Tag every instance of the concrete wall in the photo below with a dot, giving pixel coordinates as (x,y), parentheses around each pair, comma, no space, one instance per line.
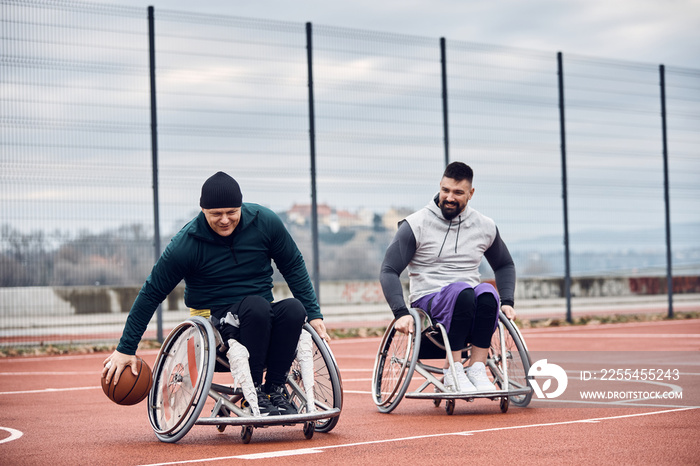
(46,301)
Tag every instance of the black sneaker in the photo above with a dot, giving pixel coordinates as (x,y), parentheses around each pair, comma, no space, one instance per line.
(278,397)
(264,404)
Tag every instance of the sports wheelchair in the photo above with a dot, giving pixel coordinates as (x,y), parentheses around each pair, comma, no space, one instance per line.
(400,355)
(183,383)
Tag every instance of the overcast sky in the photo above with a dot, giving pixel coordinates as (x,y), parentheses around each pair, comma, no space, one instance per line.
(648,31)
(644,31)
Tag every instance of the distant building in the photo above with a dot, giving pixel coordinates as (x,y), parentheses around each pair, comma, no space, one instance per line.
(334,219)
(394,215)
(300,214)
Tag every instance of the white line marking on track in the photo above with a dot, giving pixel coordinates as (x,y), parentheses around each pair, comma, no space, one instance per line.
(51,373)
(14,434)
(598,336)
(355,357)
(596,327)
(617,404)
(49,390)
(278,454)
(304,451)
(353,340)
(22,359)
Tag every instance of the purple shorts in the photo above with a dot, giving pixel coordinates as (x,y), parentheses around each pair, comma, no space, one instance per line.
(440,306)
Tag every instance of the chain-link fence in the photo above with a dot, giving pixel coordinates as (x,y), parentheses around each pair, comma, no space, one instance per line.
(78,161)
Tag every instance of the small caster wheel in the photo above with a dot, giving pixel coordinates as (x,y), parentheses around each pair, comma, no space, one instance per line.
(246,434)
(309,429)
(224,412)
(505,402)
(450,407)
(436,402)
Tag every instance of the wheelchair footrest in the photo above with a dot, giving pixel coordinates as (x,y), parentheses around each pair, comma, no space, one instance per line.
(456,395)
(285,419)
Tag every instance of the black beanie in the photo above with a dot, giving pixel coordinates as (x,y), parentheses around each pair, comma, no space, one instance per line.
(220,191)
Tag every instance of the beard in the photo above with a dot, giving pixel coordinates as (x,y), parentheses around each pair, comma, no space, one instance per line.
(450,210)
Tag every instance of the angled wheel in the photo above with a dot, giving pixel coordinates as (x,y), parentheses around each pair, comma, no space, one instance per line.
(309,430)
(508,357)
(394,365)
(246,434)
(328,387)
(450,407)
(224,412)
(182,376)
(504,403)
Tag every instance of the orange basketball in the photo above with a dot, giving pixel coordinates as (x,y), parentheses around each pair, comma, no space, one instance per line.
(130,389)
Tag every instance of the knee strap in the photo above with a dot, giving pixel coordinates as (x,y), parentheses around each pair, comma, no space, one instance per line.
(238,355)
(305,357)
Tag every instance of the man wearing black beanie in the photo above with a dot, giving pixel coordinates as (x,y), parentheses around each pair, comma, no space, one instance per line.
(225,257)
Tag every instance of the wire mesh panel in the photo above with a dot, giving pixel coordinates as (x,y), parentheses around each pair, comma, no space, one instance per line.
(683,127)
(232,97)
(75,160)
(615,166)
(76,175)
(504,123)
(379,141)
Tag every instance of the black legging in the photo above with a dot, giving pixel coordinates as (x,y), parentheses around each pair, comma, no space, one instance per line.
(473,320)
(269,331)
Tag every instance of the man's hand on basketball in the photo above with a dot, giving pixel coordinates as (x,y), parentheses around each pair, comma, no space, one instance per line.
(508,311)
(320,328)
(115,363)
(404,324)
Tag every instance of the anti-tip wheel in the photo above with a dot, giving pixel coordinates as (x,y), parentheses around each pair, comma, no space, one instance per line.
(504,404)
(224,413)
(246,434)
(309,429)
(450,407)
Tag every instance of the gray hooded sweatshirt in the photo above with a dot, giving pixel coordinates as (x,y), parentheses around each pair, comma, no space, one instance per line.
(438,252)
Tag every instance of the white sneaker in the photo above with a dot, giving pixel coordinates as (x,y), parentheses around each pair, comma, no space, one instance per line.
(476,373)
(465,386)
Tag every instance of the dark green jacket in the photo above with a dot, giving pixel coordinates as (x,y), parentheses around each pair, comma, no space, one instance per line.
(218,275)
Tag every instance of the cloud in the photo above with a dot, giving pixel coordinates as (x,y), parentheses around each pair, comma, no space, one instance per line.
(636,30)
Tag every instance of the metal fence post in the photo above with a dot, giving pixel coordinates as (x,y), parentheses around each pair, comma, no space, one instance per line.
(312,141)
(667,203)
(445,127)
(564,183)
(154,158)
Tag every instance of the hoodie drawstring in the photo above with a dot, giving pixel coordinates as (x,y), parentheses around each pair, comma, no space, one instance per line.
(459,227)
(449,227)
(445,238)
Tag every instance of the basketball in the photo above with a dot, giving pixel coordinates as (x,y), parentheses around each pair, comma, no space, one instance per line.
(130,389)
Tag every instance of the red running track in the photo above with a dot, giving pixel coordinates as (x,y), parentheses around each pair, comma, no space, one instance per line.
(53,411)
